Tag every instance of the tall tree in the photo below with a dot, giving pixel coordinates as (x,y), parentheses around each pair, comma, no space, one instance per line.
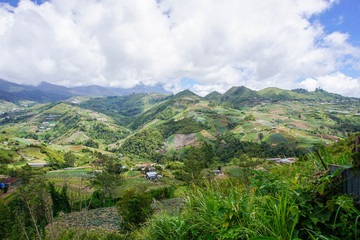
(107,176)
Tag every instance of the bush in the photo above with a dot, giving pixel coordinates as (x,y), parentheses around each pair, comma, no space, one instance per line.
(134,207)
(162,193)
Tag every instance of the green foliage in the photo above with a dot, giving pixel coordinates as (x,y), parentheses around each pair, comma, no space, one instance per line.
(87,234)
(30,135)
(246,164)
(183,126)
(280,215)
(69,159)
(349,125)
(107,177)
(143,143)
(123,108)
(229,146)
(66,122)
(30,207)
(7,221)
(162,193)
(249,118)
(91,143)
(277,138)
(134,207)
(102,131)
(60,200)
(196,160)
(7,156)
(276,208)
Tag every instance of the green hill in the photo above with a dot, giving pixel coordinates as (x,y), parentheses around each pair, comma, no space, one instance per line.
(279,94)
(124,108)
(237,96)
(213,96)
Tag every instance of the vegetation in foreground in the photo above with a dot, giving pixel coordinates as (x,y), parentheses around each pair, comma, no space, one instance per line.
(93,187)
(301,200)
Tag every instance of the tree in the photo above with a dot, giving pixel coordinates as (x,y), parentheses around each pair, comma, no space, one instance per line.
(134,207)
(106,176)
(261,136)
(196,160)
(7,221)
(246,164)
(60,200)
(31,207)
(69,159)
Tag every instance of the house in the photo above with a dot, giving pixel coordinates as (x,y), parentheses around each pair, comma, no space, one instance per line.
(277,160)
(11,182)
(151,175)
(284,160)
(150,169)
(143,165)
(38,164)
(216,172)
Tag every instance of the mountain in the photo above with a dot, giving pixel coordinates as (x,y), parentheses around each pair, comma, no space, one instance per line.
(124,108)
(140,88)
(294,118)
(186,95)
(280,94)
(56,89)
(238,96)
(6,86)
(94,90)
(216,96)
(13,92)
(47,92)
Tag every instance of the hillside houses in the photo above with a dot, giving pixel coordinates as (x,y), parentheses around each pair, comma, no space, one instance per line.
(281,160)
(37,164)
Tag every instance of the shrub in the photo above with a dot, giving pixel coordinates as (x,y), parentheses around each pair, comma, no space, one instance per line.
(162,193)
(134,207)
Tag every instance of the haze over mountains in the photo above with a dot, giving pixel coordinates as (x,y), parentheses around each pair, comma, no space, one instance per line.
(47,92)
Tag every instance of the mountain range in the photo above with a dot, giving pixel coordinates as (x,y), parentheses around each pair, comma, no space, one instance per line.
(47,92)
(235,96)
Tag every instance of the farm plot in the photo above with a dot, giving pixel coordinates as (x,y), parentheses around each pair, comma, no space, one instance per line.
(105,218)
(74,196)
(69,174)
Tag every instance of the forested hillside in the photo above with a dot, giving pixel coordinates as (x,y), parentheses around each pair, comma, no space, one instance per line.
(213,167)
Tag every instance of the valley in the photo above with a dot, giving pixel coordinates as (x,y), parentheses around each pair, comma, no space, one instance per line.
(98,149)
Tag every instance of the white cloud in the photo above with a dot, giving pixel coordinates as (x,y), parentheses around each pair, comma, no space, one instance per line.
(335,82)
(217,43)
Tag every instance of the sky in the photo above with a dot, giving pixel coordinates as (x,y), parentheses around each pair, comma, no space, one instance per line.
(201,45)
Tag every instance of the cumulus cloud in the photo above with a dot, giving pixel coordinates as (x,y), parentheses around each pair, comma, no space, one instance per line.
(336,82)
(219,44)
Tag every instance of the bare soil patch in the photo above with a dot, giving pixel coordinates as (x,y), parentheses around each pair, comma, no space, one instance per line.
(206,134)
(328,137)
(77,148)
(74,136)
(301,125)
(182,140)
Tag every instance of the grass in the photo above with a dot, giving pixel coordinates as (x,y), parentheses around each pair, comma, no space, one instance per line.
(33,153)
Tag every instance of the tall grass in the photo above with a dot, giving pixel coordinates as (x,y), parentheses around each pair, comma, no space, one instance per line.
(224,211)
(279,215)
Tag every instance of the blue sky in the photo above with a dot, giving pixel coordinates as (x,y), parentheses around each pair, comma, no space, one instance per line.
(343,17)
(200,45)
(14,3)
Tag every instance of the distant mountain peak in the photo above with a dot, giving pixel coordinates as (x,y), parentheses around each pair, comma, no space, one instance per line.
(214,95)
(186,93)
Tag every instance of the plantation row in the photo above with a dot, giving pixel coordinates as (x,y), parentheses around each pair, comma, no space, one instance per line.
(73,195)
